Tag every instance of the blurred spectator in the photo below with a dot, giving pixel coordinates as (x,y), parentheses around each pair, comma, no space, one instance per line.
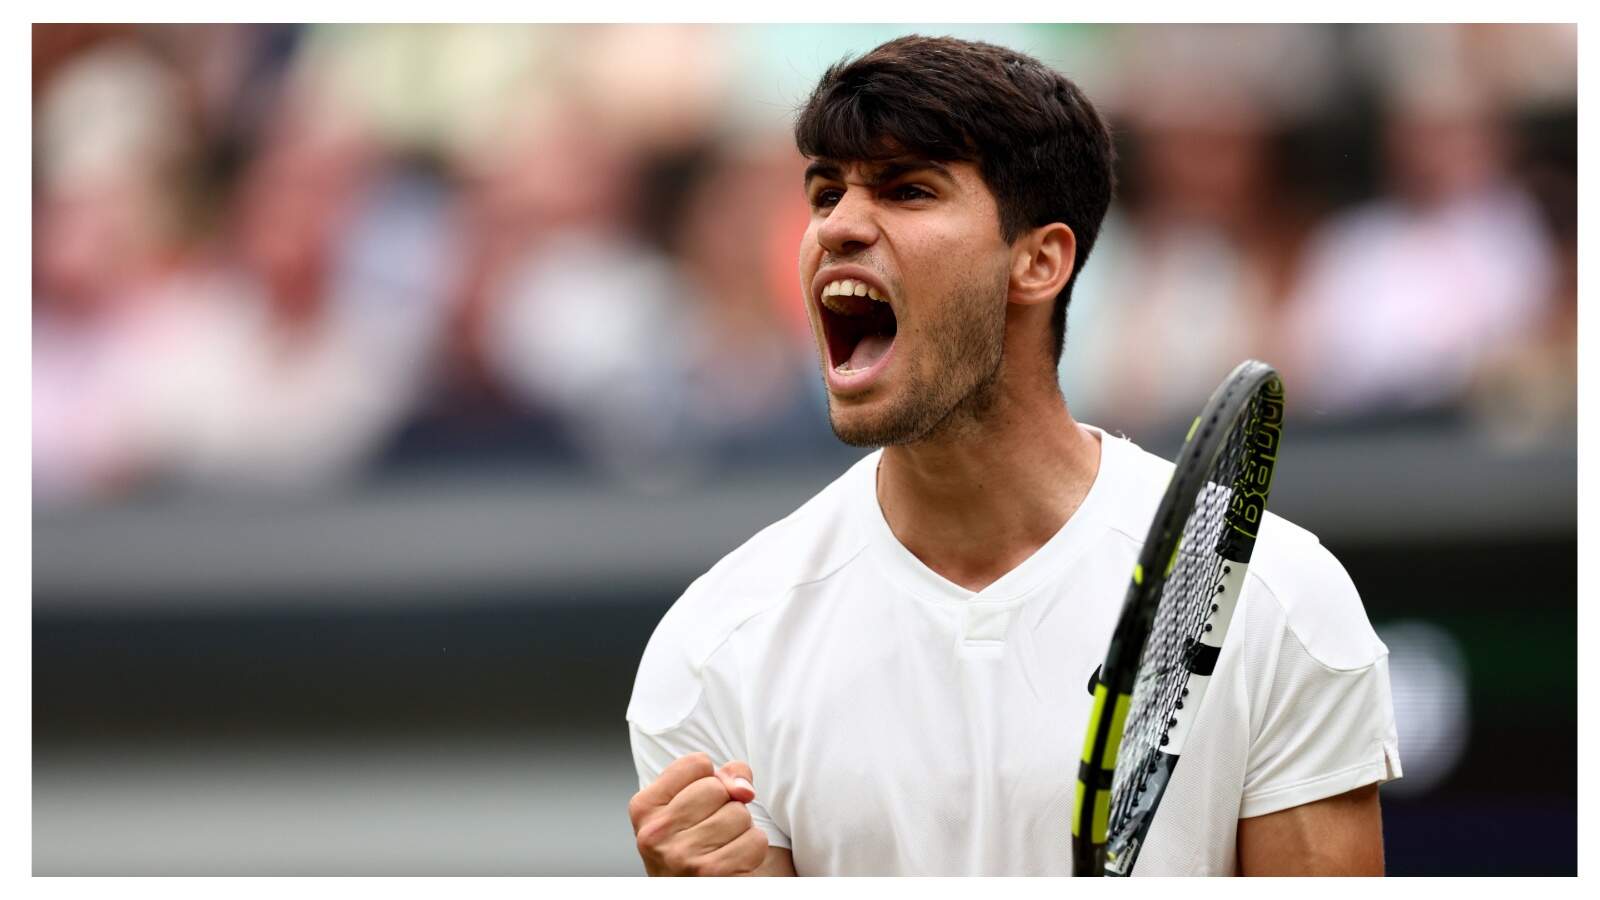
(317,333)
(566,311)
(586,322)
(1526,393)
(1192,262)
(1522,65)
(750,363)
(1405,297)
(279,352)
(282,255)
(656,87)
(112,142)
(658,356)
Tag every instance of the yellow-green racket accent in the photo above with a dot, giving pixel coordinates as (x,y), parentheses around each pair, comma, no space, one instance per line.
(1099,792)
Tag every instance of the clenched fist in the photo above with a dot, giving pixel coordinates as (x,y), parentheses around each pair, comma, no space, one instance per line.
(692,820)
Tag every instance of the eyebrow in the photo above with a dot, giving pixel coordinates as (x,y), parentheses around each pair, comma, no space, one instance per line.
(884,173)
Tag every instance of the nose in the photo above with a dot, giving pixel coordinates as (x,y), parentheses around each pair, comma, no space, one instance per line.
(851,226)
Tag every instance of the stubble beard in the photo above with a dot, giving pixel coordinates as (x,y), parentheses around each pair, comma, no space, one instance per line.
(956,392)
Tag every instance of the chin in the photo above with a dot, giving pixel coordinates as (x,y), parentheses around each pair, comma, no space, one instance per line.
(853,426)
(876,424)
(855,437)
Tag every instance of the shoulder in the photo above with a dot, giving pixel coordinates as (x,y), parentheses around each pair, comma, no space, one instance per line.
(1305,584)
(1136,479)
(1315,596)
(808,545)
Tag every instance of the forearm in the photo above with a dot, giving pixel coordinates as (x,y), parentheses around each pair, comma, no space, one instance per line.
(1341,835)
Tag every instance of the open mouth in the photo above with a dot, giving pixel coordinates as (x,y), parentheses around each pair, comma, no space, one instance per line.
(859,325)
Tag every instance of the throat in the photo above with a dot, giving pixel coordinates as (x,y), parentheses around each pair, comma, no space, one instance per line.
(971,544)
(977,573)
(977,516)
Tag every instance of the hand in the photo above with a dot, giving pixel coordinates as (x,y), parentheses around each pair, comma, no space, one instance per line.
(692,820)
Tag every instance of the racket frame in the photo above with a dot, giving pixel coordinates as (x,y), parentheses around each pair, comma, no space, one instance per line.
(1113,690)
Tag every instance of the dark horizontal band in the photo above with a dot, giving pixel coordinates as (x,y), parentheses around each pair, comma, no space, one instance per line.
(1203,658)
(1095,777)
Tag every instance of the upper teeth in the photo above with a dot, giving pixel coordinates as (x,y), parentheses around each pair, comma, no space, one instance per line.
(849,287)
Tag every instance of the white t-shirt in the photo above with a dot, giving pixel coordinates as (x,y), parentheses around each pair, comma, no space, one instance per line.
(898,723)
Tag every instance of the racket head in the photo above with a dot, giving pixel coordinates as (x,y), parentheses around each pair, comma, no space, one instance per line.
(1153,678)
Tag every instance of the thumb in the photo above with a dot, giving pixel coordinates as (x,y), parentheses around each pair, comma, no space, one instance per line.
(738,779)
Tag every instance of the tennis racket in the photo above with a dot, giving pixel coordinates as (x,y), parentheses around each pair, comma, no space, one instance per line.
(1174,618)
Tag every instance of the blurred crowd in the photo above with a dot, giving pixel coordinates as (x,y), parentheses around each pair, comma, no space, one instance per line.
(280,258)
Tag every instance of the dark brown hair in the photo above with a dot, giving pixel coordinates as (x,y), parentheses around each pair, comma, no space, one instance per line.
(1040,146)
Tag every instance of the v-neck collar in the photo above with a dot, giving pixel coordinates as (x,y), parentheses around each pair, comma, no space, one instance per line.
(1055,555)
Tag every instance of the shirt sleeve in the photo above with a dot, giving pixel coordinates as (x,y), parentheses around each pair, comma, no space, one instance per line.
(686,700)
(652,753)
(1326,722)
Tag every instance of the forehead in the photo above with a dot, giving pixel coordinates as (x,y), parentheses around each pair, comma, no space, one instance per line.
(876,170)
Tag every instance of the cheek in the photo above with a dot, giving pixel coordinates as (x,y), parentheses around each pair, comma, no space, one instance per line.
(809,260)
(943,268)
(948,244)
(810,250)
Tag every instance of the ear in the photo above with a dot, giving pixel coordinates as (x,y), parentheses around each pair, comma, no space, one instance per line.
(1042,261)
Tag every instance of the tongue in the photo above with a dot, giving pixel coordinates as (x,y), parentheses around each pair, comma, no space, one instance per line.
(869,350)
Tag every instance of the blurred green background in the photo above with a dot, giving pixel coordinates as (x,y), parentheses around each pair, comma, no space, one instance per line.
(389,382)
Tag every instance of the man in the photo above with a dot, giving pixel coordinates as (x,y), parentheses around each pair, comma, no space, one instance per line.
(892,679)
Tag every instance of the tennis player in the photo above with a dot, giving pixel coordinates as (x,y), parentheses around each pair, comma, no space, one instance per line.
(895,678)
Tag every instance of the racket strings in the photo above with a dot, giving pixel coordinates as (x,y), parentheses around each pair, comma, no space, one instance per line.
(1188,600)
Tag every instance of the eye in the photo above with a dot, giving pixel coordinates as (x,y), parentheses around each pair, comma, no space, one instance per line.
(824,198)
(910,192)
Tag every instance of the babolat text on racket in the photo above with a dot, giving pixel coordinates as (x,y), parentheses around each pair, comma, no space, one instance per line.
(1174,619)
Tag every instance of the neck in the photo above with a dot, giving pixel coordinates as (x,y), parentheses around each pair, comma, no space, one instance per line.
(977,499)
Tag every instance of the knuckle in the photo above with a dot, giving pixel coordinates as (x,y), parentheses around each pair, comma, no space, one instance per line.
(652,834)
(637,808)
